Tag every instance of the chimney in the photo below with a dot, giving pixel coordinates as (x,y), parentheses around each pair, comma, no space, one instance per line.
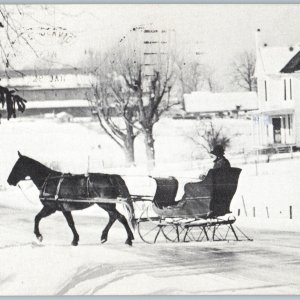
(257,41)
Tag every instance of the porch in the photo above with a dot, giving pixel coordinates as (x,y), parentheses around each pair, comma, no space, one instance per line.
(274,128)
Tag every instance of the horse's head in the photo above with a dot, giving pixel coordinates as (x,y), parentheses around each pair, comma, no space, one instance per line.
(20,170)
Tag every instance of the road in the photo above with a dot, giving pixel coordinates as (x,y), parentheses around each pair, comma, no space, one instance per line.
(268,265)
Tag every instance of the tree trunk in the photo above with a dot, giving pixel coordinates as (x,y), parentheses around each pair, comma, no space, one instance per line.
(149,144)
(129,146)
(182,92)
(182,103)
(129,153)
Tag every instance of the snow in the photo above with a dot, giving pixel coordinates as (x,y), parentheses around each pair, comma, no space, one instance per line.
(272,60)
(57,103)
(56,268)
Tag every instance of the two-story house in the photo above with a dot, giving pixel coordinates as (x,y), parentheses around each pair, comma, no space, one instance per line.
(277,121)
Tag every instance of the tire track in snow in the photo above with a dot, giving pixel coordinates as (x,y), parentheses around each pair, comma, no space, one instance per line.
(89,274)
(20,245)
(159,269)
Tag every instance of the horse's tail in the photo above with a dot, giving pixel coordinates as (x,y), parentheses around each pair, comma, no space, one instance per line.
(130,209)
(123,191)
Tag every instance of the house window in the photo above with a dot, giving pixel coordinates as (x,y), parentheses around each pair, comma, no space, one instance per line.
(266,92)
(291,91)
(284,89)
(289,123)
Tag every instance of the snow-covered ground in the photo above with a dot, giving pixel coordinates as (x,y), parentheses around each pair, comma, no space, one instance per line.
(268,265)
(266,194)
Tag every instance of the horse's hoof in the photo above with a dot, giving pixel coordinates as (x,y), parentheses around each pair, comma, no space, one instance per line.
(39,238)
(128,242)
(103,241)
(75,243)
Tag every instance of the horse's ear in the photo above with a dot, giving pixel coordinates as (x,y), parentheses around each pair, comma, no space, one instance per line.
(20,155)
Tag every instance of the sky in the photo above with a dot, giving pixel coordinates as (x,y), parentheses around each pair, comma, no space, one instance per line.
(221,30)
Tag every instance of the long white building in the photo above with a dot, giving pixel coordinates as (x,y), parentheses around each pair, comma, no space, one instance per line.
(206,102)
(52,90)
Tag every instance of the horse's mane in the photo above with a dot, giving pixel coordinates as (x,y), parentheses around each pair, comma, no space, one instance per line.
(39,165)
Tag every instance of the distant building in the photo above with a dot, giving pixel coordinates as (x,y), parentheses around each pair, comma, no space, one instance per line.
(52,90)
(64,117)
(200,103)
(277,122)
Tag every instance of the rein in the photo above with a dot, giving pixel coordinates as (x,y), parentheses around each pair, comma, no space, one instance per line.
(24,194)
(27,198)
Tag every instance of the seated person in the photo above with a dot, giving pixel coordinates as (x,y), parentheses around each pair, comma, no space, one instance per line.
(221,161)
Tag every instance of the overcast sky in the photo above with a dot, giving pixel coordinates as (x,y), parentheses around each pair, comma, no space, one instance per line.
(223,29)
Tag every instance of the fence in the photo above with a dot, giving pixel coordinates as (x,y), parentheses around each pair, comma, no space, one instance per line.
(267,212)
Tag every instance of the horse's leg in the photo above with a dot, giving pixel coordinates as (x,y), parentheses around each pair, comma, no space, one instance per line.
(111,221)
(113,216)
(124,222)
(45,212)
(71,224)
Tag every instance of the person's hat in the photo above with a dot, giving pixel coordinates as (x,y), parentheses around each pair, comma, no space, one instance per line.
(218,150)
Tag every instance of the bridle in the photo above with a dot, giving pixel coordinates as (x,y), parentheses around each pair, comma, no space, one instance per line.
(27,198)
(24,194)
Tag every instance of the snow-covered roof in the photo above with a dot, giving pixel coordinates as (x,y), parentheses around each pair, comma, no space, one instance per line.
(218,102)
(271,60)
(48,79)
(40,72)
(57,104)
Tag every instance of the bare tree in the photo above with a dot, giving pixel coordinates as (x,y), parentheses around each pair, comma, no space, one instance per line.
(9,34)
(137,88)
(189,76)
(146,80)
(209,79)
(149,113)
(151,96)
(113,103)
(13,42)
(243,71)
(194,76)
(208,135)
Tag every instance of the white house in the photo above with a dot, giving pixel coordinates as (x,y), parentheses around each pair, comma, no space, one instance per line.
(277,122)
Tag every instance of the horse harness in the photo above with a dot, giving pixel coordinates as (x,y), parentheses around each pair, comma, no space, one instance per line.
(78,188)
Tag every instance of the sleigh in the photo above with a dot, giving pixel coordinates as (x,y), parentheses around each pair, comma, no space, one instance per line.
(203,213)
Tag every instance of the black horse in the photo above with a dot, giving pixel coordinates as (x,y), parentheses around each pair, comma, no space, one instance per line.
(96,185)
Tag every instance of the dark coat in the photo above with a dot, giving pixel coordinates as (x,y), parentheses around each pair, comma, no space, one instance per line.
(221,162)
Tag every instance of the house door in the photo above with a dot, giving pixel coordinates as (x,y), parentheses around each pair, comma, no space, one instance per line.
(276,130)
